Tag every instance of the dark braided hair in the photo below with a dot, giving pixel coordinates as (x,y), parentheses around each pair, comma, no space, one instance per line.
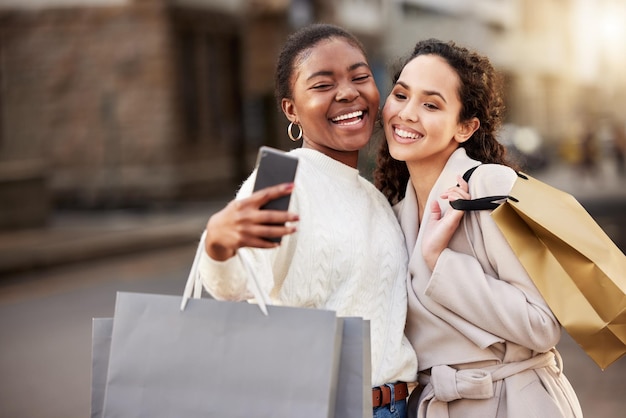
(480,93)
(295,48)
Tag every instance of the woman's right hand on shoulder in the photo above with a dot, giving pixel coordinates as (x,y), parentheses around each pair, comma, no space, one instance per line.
(441,226)
(242,223)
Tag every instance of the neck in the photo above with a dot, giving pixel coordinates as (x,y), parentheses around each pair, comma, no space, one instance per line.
(425,172)
(349,158)
(422,183)
(423,178)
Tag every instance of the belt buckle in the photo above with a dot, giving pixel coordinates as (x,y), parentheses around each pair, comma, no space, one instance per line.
(377,396)
(381,396)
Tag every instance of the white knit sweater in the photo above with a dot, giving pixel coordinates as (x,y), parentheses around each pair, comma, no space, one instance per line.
(348,255)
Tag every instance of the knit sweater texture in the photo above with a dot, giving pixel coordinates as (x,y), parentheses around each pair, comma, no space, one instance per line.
(348,255)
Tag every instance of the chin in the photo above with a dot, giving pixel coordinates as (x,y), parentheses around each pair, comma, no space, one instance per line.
(358,146)
(398,154)
(357,143)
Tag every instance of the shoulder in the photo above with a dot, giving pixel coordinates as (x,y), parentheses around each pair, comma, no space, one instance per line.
(492,179)
(375,195)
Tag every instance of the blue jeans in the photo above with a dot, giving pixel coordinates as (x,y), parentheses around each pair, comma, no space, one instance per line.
(396,409)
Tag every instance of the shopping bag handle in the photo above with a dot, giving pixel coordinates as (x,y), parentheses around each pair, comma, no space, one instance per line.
(193,287)
(482,203)
(261,297)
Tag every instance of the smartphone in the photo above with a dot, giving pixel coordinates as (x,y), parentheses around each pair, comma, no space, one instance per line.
(275,167)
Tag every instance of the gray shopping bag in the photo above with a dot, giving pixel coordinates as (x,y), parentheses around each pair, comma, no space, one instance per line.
(354,387)
(220,359)
(354,393)
(100,348)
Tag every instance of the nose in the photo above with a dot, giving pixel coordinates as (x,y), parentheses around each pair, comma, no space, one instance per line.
(346,92)
(408,113)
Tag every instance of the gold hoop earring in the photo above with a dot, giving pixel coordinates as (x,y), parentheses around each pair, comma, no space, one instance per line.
(291,133)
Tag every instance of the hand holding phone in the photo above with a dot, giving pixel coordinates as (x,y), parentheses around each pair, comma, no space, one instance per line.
(275,167)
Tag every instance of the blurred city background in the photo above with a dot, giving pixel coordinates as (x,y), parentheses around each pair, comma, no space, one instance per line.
(125,123)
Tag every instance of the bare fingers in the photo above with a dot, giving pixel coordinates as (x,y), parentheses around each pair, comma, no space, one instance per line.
(460,191)
(242,223)
(263,196)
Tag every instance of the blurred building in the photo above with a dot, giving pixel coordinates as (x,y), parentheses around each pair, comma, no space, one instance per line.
(108,103)
(561,58)
(122,102)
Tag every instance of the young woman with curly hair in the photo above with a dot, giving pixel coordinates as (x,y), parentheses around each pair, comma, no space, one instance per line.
(484,336)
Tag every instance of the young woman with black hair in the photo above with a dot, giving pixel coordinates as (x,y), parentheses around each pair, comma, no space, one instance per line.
(342,248)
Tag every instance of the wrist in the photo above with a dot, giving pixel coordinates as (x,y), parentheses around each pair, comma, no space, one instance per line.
(218,252)
(430,259)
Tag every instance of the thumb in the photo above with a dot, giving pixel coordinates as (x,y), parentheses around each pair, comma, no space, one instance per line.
(435,210)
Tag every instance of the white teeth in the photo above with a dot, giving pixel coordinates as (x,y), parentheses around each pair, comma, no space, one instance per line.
(356,114)
(404,134)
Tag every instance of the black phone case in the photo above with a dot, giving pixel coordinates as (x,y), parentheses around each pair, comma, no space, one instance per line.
(275,167)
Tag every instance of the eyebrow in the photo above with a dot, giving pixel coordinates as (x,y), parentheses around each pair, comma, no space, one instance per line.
(425,92)
(328,73)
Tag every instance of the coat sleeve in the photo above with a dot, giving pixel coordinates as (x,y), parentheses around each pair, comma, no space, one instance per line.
(490,288)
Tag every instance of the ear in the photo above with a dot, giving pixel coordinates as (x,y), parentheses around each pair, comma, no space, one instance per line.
(289,109)
(466,130)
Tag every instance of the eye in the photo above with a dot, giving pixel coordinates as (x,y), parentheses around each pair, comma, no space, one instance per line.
(399,96)
(431,106)
(362,78)
(321,86)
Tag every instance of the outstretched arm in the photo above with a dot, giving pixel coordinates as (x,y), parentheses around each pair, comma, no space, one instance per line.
(242,223)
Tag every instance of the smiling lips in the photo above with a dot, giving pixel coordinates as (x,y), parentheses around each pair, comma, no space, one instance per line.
(351,118)
(406,136)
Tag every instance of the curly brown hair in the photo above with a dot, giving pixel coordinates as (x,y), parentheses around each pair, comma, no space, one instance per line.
(480,93)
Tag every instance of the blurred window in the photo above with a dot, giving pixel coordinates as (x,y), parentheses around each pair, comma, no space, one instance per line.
(208,70)
(1,91)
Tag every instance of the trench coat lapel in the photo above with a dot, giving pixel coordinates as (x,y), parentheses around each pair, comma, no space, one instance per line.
(406,211)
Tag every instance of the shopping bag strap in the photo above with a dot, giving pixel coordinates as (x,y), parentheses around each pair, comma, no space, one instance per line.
(193,287)
(482,203)
(261,297)
(468,173)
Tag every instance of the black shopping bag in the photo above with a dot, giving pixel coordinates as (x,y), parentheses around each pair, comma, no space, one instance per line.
(221,359)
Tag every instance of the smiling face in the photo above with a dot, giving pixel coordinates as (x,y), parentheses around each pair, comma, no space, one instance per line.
(335,99)
(421,114)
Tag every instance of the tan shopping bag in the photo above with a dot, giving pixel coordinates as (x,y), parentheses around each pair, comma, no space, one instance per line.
(578,269)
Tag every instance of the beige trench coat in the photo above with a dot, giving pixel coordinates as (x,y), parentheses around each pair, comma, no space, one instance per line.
(485,338)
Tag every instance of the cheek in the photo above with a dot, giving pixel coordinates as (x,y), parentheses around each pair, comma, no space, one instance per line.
(375,96)
(312,108)
(388,112)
